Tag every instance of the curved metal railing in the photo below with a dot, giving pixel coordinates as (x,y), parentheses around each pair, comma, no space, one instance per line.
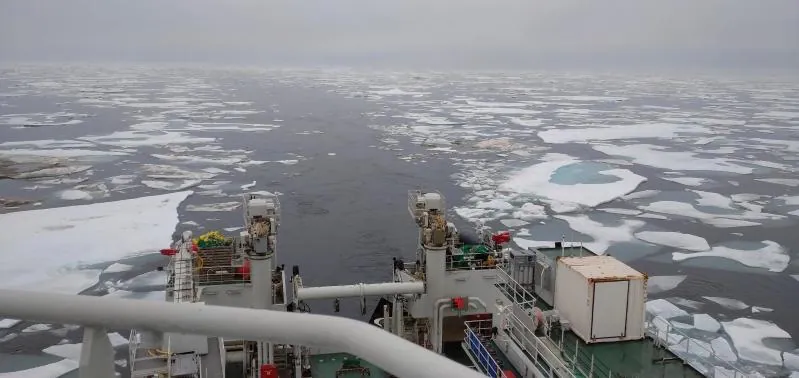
(389,352)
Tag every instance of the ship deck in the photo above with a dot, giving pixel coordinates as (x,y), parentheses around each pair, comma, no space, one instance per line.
(330,365)
(642,358)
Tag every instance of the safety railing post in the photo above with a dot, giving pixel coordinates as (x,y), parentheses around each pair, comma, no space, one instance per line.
(96,354)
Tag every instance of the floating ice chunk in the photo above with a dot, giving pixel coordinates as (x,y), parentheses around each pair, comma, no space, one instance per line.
(141,139)
(513,223)
(199,159)
(225,206)
(687,181)
(288,162)
(772,257)
(713,199)
(786,182)
(659,284)
(471,214)
(170,185)
(674,239)
(331,154)
(603,235)
(122,179)
(526,122)
(728,303)
(83,234)
(654,156)
(214,170)
(398,92)
(585,135)
(686,303)
(72,195)
(664,309)
(719,220)
(37,328)
(52,172)
(495,104)
(8,323)
(537,180)
(530,211)
(498,111)
(588,98)
(614,210)
(528,243)
(722,349)
(756,309)
(54,370)
(117,267)
(641,194)
(173,173)
(653,216)
(146,280)
(149,126)
(779,114)
(706,322)
(495,204)
(747,336)
(498,143)
(248,186)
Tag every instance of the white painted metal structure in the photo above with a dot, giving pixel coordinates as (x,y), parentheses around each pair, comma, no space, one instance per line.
(384,288)
(98,314)
(603,298)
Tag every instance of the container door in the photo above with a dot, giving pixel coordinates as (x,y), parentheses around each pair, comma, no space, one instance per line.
(609,317)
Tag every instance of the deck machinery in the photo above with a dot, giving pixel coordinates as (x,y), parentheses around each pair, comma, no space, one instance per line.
(547,312)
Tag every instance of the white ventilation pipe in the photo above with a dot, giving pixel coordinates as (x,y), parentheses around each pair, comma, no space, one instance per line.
(358,290)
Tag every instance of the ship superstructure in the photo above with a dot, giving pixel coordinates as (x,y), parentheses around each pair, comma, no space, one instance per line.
(499,312)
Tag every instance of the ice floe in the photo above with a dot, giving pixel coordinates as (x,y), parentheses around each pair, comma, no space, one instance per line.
(772,256)
(659,284)
(655,156)
(687,181)
(747,336)
(37,328)
(225,206)
(538,180)
(664,309)
(728,303)
(723,350)
(81,235)
(72,351)
(117,268)
(170,185)
(706,323)
(674,239)
(53,370)
(8,323)
(638,131)
(604,235)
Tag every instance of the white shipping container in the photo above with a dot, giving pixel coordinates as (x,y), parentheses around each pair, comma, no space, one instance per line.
(603,298)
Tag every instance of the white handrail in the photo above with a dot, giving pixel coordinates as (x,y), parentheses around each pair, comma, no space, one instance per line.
(389,352)
(384,288)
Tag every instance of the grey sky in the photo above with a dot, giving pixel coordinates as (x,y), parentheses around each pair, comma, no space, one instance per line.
(501,33)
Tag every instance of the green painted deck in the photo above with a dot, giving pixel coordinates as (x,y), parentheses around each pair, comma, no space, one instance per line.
(327,365)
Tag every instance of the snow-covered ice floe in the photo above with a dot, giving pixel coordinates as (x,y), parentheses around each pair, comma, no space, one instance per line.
(541,180)
(45,249)
(772,256)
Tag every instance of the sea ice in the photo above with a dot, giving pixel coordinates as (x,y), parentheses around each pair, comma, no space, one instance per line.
(603,235)
(786,182)
(772,257)
(727,220)
(37,328)
(225,206)
(747,336)
(513,223)
(664,309)
(728,303)
(171,185)
(659,284)
(54,370)
(687,181)
(537,180)
(117,267)
(706,323)
(530,211)
(655,156)
(585,135)
(614,210)
(693,347)
(42,247)
(674,239)
(8,323)
(723,350)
